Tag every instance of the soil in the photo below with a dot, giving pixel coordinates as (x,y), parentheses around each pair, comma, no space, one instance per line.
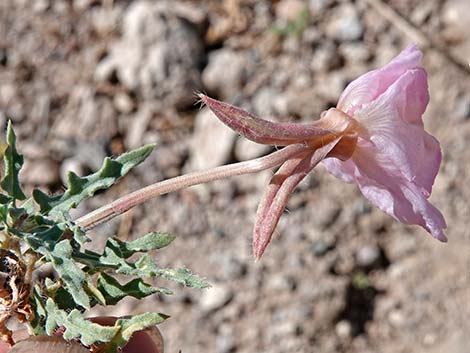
(86,78)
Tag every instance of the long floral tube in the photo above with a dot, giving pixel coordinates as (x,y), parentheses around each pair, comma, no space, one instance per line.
(140,196)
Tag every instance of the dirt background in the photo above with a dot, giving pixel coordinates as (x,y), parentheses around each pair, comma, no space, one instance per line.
(83,79)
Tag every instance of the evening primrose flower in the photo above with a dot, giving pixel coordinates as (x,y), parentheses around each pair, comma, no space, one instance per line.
(374,137)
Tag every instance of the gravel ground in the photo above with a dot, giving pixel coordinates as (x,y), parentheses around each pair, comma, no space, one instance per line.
(86,78)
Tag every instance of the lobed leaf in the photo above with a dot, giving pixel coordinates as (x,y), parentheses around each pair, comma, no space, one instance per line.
(50,318)
(76,326)
(78,188)
(145,266)
(59,253)
(67,269)
(127,327)
(13,162)
(113,291)
(150,241)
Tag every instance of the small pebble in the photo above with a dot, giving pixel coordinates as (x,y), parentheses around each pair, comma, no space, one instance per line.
(215,297)
(346,24)
(343,329)
(367,255)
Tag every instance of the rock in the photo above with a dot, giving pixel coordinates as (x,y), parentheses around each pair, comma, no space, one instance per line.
(226,344)
(40,172)
(123,103)
(279,282)
(226,72)
(421,13)
(321,246)
(225,341)
(82,5)
(462,108)
(331,86)
(289,10)
(231,267)
(396,318)
(368,255)
(268,102)
(139,125)
(86,117)
(159,54)
(454,14)
(429,339)
(71,165)
(343,329)
(354,53)
(291,45)
(311,35)
(346,24)
(246,149)
(318,5)
(215,297)
(104,19)
(212,141)
(285,328)
(325,57)
(400,247)
(304,103)
(33,150)
(40,6)
(327,213)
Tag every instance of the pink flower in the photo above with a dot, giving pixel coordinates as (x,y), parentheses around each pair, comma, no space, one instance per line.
(395,161)
(375,138)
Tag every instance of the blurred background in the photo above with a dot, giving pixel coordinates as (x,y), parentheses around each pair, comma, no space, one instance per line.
(84,79)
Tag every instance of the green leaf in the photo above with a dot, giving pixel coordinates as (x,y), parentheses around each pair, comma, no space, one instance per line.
(42,239)
(150,241)
(45,201)
(4,199)
(114,259)
(113,291)
(76,326)
(129,326)
(146,267)
(67,269)
(4,213)
(78,189)
(95,293)
(13,163)
(59,253)
(39,310)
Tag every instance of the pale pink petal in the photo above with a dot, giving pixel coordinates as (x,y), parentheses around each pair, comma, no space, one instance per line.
(393,123)
(369,86)
(385,187)
(341,170)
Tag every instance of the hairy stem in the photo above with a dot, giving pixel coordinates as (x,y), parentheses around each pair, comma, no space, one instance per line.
(140,196)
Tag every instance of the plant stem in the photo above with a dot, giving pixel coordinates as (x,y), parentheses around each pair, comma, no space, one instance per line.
(140,196)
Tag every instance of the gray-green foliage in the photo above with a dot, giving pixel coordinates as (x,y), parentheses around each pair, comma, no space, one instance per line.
(40,231)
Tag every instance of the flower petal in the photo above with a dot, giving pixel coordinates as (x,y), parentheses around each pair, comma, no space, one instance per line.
(342,170)
(369,86)
(385,186)
(277,193)
(393,123)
